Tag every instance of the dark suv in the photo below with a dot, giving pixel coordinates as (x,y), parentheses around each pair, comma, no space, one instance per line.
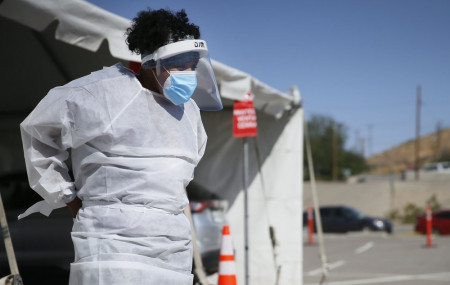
(342,219)
(43,246)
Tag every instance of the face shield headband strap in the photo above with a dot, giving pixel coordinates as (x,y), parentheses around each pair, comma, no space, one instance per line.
(149,60)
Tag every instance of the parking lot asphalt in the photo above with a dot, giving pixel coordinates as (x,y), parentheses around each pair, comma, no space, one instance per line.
(378,258)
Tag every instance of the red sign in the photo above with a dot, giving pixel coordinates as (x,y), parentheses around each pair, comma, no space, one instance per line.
(244,119)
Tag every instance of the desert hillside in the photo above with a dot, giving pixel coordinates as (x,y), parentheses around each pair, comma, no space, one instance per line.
(401,158)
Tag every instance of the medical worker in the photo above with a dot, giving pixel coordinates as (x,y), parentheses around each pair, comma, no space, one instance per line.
(134,141)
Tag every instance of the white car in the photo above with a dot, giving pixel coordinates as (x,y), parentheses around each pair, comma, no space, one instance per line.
(440,167)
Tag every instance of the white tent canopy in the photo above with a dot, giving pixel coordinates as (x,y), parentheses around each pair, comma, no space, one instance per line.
(48,43)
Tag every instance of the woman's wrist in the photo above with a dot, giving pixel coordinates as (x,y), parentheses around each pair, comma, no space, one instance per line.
(75,205)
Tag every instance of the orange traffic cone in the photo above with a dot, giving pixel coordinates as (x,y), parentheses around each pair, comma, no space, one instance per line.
(227,267)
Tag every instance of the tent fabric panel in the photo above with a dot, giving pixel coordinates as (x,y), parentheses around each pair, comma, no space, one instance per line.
(261,259)
(80,23)
(275,193)
(235,84)
(220,170)
(283,176)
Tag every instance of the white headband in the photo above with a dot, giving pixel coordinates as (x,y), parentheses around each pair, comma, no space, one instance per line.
(176,48)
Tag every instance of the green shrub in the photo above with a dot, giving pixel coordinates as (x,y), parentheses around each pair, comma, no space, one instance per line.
(394,215)
(434,203)
(410,212)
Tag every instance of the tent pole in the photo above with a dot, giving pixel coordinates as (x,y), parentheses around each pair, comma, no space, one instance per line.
(318,221)
(246,166)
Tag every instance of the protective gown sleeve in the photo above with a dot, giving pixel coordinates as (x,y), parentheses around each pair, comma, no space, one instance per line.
(46,136)
(201,138)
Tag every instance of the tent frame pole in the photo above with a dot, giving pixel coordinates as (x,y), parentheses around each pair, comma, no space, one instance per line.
(318,220)
(246,178)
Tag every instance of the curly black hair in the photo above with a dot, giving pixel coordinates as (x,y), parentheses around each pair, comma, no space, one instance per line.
(152,29)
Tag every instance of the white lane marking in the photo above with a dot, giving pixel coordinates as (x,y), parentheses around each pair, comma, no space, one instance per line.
(364,248)
(329,266)
(442,276)
(336,264)
(314,272)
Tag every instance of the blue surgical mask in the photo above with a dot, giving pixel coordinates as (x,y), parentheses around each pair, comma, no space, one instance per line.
(180,86)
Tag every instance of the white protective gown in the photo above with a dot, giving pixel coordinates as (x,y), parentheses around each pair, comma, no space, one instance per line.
(133,153)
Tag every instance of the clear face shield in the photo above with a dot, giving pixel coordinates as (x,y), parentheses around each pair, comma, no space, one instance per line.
(188,70)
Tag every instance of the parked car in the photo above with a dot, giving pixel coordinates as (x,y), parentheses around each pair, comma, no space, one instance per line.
(208,215)
(209,219)
(440,223)
(43,246)
(342,219)
(437,167)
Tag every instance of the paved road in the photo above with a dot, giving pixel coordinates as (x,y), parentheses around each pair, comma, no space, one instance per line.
(376,258)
